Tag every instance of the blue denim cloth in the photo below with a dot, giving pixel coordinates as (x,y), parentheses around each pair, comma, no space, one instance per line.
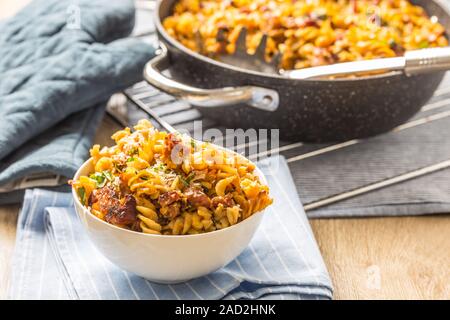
(59,63)
(54,259)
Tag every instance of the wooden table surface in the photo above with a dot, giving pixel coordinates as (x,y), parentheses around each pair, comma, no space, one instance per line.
(368,258)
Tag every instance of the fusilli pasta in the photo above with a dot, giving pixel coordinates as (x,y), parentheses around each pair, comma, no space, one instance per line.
(306,33)
(164,183)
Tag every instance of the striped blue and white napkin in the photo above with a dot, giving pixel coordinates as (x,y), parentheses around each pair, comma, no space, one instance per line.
(54,259)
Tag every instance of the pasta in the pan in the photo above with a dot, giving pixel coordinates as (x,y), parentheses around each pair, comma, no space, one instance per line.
(306,33)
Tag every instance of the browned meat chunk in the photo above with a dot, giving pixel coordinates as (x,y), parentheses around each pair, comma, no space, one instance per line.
(173,210)
(170,207)
(120,212)
(226,201)
(124,214)
(106,198)
(171,140)
(92,198)
(168,198)
(136,226)
(197,198)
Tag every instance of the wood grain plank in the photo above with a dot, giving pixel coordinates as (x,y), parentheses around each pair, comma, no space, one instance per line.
(387,258)
(8,222)
(381,258)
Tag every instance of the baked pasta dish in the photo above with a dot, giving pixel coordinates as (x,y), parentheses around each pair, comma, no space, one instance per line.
(306,33)
(165,183)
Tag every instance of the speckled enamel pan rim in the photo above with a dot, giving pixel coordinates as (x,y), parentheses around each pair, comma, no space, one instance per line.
(179,46)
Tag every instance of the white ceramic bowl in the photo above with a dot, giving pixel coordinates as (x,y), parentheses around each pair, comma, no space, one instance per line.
(166,258)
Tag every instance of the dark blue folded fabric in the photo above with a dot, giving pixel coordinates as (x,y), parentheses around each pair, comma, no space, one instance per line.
(59,62)
(57,152)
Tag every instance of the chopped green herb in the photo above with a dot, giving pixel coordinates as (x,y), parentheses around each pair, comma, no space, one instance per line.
(144,178)
(193,143)
(184,182)
(131,159)
(94,175)
(99,179)
(160,167)
(392,43)
(190,177)
(424,44)
(82,194)
(108,175)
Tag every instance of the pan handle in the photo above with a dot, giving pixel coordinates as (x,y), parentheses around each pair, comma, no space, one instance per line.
(427,60)
(257,97)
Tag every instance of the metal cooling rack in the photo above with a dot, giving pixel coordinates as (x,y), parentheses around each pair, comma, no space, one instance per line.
(168,113)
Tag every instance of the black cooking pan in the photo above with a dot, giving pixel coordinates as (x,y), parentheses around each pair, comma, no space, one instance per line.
(305,110)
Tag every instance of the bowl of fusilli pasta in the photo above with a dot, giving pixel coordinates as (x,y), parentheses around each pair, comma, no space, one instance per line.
(167,207)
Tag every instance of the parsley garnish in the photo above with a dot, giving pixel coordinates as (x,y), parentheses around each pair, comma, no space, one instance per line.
(82,194)
(101,178)
(160,167)
(424,44)
(108,175)
(188,179)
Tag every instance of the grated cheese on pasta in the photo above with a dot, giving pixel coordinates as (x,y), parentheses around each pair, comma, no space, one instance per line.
(306,33)
(164,183)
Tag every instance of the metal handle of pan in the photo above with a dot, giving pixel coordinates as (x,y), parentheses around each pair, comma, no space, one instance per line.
(413,62)
(427,60)
(257,97)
